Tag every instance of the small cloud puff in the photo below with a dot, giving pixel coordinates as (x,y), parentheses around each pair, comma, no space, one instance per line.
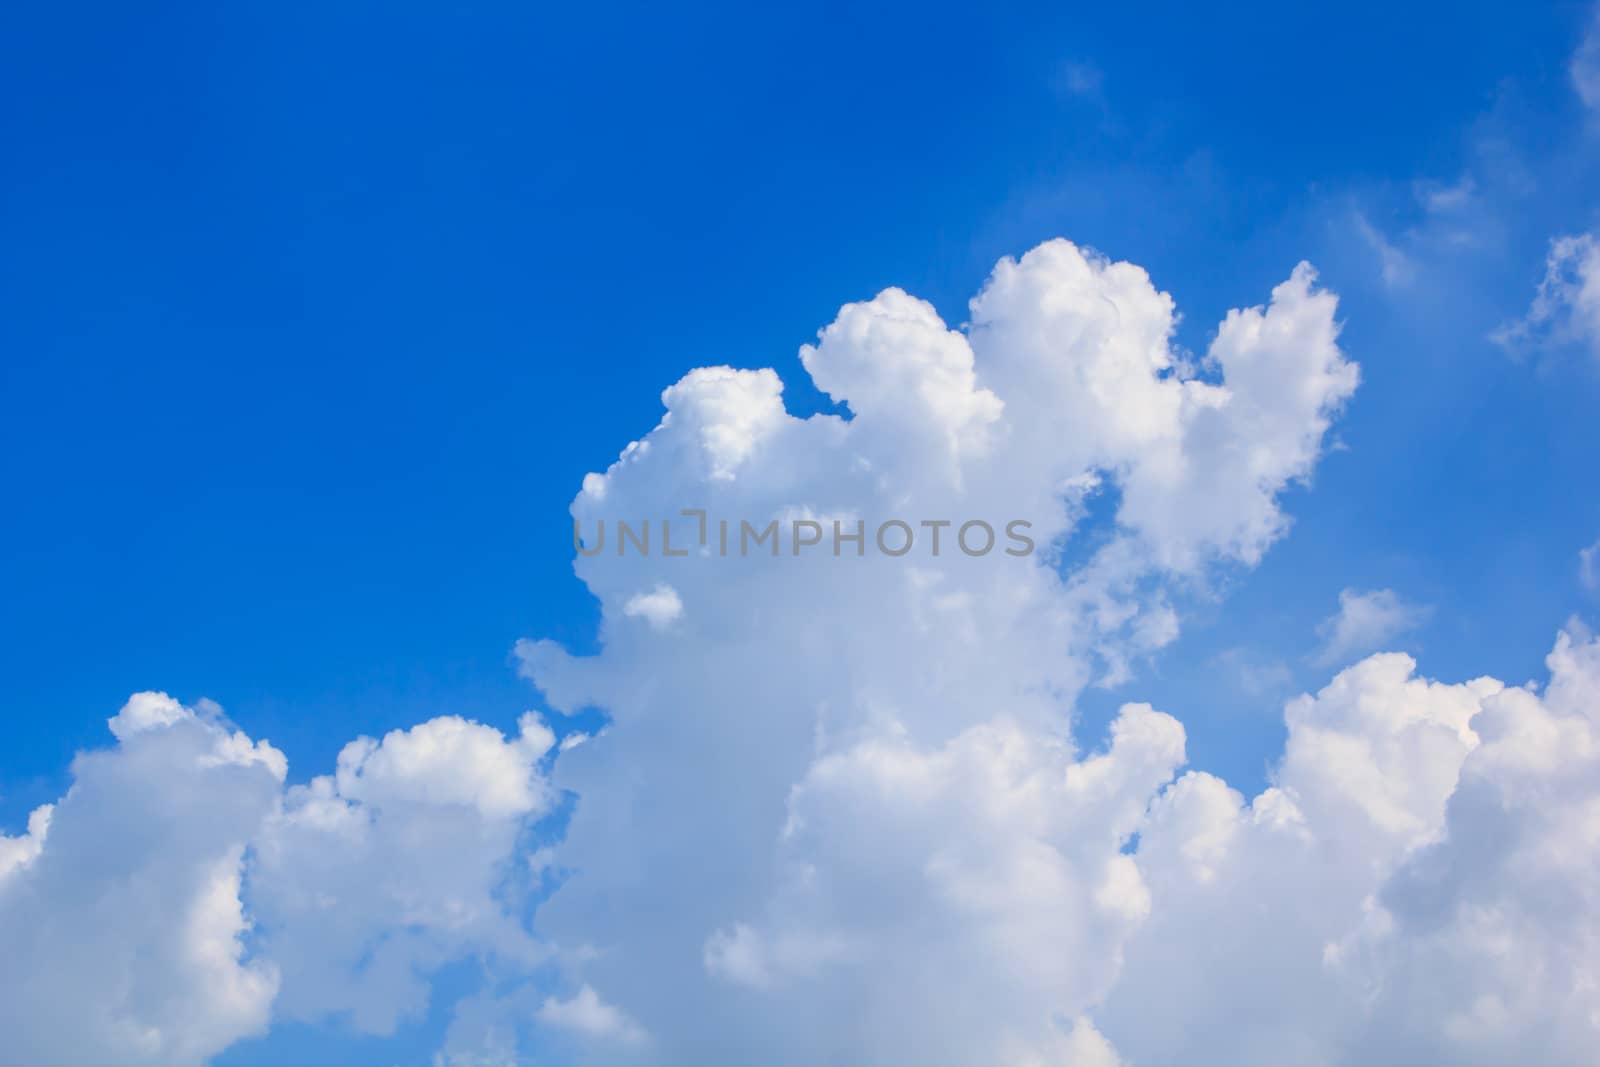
(1364,621)
(585,1013)
(660,607)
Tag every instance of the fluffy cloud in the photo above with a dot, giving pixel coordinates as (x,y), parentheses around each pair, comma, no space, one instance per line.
(852,827)
(659,607)
(1366,621)
(585,1013)
(1416,886)
(1316,924)
(1413,830)
(367,880)
(958,899)
(836,814)
(18,852)
(909,380)
(127,908)
(123,923)
(1485,943)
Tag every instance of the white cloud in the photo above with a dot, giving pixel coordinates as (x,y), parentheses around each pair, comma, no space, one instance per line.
(1244,441)
(660,607)
(122,926)
(1407,891)
(840,817)
(585,1013)
(1589,566)
(848,793)
(959,898)
(1364,622)
(727,412)
(1566,306)
(17,852)
(146,711)
(177,899)
(367,880)
(449,761)
(1485,938)
(1585,66)
(893,361)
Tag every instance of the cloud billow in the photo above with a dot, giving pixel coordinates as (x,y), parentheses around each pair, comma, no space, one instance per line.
(836,814)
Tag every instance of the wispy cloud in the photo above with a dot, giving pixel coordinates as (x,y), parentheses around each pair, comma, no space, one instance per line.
(1566,304)
(1398,269)
(1585,65)
(1255,675)
(1364,622)
(1080,78)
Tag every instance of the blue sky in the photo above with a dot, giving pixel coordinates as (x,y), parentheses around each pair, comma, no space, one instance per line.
(314,319)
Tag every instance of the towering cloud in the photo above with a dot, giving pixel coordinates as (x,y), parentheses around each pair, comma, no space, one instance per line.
(837,816)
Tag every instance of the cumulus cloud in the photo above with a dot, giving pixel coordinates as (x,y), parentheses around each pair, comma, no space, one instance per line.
(846,790)
(985,876)
(1364,622)
(178,898)
(122,923)
(18,852)
(1566,305)
(367,880)
(1247,895)
(837,814)
(1485,939)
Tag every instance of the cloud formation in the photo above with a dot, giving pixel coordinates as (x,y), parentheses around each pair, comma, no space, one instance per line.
(1364,622)
(836,812)
(122,922)
(178,898)
(1566,305)
(838,816)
